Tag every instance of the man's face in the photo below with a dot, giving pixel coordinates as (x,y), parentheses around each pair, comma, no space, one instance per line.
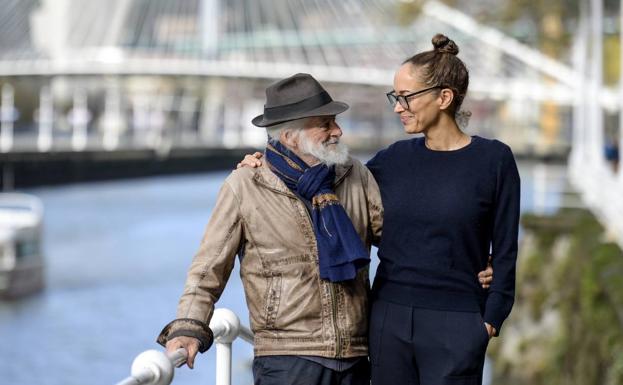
(323,130)
(321,139)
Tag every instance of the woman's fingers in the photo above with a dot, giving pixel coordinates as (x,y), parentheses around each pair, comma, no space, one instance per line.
(252,161)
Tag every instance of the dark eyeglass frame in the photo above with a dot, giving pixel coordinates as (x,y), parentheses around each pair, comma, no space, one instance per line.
(404,99)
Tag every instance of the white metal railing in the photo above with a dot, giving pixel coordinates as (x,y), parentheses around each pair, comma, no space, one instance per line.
(155,367)
(551,189)
(601,191)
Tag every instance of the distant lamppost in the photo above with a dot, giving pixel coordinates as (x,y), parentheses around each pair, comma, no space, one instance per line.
(112,122)
(45,119)
(8,116)
(79,118)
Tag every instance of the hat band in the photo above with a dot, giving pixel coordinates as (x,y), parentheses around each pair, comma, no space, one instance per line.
(311,103)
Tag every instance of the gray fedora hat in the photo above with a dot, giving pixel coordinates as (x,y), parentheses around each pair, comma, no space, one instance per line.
(296,97)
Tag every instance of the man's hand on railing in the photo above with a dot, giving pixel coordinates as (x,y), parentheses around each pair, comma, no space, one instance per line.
(191,344)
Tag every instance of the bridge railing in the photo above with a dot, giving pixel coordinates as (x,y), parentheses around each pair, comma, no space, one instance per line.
(155,367)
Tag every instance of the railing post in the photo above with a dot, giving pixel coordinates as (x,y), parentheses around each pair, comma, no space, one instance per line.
(223,363)
(45,119)
(79,118)
(113,122)
(7,116)
(225,324)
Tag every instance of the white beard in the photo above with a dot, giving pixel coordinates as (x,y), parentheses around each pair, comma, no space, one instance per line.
(330,153)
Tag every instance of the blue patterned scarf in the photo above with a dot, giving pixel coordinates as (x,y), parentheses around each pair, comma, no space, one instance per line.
(340,250)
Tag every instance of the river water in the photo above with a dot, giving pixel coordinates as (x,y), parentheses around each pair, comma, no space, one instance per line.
(116,257)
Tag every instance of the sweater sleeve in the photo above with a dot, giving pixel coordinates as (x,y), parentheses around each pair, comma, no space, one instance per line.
(504,241)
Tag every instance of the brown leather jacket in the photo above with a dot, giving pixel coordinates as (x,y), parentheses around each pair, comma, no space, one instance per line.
(292,311)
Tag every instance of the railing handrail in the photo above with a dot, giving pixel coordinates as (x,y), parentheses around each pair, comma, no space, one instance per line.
(155,367)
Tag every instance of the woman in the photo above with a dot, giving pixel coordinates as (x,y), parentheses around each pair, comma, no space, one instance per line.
(449,198)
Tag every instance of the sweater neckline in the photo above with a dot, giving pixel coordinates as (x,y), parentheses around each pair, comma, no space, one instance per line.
(422,143)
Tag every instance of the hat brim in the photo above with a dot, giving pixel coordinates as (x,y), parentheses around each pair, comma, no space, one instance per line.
(329,109)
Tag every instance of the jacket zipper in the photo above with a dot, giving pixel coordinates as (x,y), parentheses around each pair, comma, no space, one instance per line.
(338,336)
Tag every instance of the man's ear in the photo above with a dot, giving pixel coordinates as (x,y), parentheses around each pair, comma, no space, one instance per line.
(446,96)
(289,138)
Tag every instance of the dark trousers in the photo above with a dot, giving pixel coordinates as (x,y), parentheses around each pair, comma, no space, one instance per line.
(413,346)
(292,370)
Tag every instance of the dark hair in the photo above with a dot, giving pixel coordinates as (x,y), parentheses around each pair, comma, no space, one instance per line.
(441,67)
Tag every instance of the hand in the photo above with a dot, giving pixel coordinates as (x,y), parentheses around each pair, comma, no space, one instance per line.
(491,330)
(485,277)
(191,344)
(252,161)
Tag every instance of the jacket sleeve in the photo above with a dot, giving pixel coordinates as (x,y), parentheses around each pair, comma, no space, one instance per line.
(375,207)
(504,242)
(209,272)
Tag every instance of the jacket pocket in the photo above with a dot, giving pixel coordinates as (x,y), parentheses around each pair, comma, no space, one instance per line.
(354,304)
(273,298)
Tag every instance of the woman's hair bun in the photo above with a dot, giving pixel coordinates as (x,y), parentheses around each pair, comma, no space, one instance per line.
(444,45)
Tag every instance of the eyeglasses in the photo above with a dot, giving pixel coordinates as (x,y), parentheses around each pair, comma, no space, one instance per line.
(403,99)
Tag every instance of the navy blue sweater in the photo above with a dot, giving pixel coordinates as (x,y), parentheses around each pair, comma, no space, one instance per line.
(444,212)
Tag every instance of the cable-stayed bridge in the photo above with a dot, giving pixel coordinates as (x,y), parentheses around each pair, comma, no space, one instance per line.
(206,52)
(134,74)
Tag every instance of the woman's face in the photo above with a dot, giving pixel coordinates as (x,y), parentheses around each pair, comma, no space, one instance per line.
(423,111)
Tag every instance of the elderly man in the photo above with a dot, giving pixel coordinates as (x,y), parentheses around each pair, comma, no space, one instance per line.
(302,224)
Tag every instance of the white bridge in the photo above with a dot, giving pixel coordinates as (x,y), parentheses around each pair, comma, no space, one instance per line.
(116,74)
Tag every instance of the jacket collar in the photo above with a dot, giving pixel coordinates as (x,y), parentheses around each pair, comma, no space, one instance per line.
(266,178)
